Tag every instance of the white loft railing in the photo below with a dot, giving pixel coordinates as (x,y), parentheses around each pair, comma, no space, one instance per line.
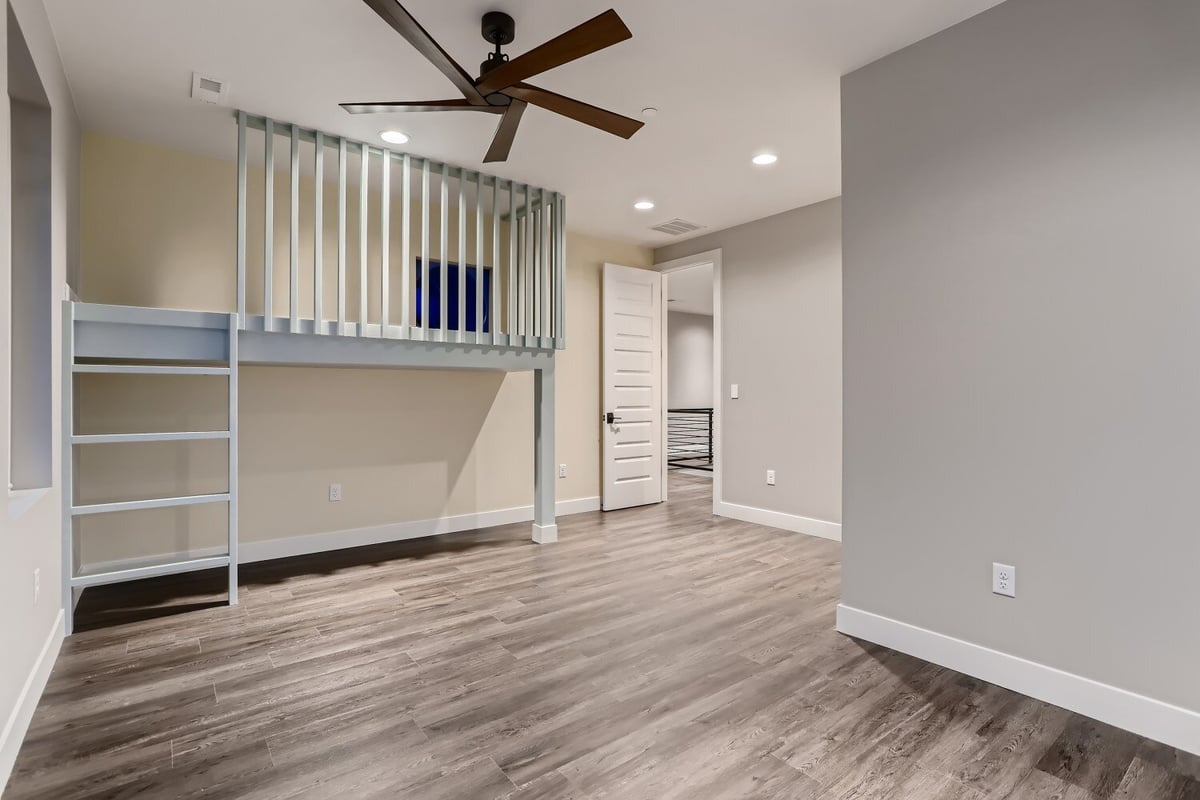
(349,239)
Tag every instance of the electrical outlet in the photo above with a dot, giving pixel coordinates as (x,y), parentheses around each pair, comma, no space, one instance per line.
(1004,580)
(335,493)
(770,477)
(733,391)
(37,585)
(562,470)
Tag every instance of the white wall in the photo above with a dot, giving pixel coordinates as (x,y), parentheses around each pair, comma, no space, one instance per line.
(781,332)
(689,360)
(1022,329)
(30,523)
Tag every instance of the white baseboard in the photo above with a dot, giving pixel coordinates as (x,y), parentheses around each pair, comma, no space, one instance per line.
(18,720)
(1145,716)
(249,552)
(778,519)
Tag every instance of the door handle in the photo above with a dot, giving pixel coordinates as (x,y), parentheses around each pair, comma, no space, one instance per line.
(611,418)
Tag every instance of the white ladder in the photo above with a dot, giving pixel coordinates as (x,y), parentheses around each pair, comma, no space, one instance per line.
(73,578)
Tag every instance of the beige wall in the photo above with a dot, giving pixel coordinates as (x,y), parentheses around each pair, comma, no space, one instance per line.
(30,539)
(781,342)
(405,444)
(1022,333)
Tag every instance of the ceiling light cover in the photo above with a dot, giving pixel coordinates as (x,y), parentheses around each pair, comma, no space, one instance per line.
(643,205)
(765,159)
(394,137)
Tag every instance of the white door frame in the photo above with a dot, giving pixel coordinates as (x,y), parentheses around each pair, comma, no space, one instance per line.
(676,265)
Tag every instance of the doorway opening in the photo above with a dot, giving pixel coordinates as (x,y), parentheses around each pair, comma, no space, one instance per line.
(691,381)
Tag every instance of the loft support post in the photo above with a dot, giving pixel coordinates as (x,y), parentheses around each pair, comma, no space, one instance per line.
(545,530)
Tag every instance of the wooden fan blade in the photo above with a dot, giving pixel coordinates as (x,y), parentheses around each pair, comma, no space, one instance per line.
(579,111)
(506,132)
(597,33)
(426,105)
(407,26)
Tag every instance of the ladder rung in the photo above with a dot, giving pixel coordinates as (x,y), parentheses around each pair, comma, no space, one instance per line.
(161,502)
(172,436)
(150,571)
(148,369)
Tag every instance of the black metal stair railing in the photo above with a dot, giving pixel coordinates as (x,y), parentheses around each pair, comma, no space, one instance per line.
(690,438)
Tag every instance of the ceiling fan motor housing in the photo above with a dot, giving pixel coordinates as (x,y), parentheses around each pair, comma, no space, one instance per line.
(498,28)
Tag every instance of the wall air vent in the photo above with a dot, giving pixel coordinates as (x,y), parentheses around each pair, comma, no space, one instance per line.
(209,90)
(677,227)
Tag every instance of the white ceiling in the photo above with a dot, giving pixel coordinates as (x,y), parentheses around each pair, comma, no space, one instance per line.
(729,78)
(691,290)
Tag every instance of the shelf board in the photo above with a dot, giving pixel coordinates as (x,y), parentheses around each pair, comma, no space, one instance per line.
(159,502)
(149,571)
(147,369)
(171,436)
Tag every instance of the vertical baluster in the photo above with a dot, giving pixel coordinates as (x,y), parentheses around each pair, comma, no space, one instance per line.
(518,223)
(443,254)
(241,219)
(269,223)
(385,244)
(461,310)
(423,312)
(560,330)
(543,270)
(494,308)
(341,257)
(511,322)
(364,165)
(294,235)
(405,249)
(479,266)
(319,235)
(530,259)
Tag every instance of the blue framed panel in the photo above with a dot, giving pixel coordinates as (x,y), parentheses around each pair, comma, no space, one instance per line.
(452,296)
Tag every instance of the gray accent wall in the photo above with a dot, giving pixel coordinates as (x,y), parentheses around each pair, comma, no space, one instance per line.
(689,360)
(1022,337)
(781,342)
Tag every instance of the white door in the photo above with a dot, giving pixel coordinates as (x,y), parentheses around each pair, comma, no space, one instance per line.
(632,379)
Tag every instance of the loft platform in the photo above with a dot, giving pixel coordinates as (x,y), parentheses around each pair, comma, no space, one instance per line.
(105,336)
(447,268)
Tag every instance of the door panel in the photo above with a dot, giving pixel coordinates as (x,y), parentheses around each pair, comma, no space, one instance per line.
(632,374)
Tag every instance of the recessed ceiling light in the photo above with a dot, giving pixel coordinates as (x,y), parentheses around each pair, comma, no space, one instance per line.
(765,159)
(643,205)
(394,137)
(649,112)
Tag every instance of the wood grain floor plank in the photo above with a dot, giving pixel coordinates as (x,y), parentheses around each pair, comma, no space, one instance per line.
(658,653)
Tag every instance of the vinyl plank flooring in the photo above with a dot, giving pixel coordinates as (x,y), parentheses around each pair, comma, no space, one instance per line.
(658,653)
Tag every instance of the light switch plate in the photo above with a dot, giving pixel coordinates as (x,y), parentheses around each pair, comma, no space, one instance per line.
(733,391)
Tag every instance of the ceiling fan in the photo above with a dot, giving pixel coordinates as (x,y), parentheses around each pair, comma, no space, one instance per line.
(501,87)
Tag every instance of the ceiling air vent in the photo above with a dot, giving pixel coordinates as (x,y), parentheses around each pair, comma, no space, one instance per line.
(210,90)
(677,227)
